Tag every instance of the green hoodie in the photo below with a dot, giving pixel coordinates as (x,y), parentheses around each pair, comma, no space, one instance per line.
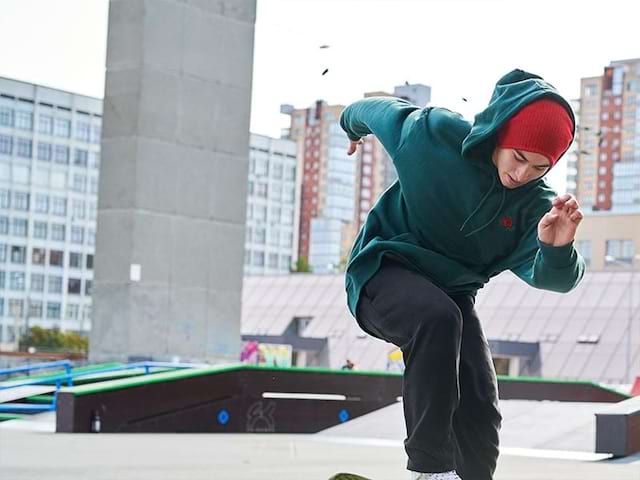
(448,217)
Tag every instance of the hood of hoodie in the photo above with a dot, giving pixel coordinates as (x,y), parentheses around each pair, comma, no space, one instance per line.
(512,92)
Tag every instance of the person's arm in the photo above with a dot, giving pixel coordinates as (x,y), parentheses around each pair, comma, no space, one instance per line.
(384,117)
(549,259)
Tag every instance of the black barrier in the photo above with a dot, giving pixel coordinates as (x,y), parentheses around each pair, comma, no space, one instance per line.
(261,399)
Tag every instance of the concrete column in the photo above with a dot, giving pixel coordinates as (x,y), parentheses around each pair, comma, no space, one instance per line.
(173,180)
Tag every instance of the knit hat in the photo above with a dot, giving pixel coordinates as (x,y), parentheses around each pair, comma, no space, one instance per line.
(543,126)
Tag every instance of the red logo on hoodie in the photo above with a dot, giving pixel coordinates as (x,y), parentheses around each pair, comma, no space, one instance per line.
(506,222)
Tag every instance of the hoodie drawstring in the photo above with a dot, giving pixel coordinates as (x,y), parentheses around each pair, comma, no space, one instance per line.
(484,199)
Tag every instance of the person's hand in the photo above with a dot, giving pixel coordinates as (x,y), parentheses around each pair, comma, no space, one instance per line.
(558,226)
(353,146)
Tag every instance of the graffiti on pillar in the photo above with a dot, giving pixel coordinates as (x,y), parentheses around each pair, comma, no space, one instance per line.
(260,417)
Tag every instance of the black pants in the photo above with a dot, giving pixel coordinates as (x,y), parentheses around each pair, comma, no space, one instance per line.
(450,391)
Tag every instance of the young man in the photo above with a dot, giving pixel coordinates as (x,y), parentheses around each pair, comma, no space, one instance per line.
(469,203)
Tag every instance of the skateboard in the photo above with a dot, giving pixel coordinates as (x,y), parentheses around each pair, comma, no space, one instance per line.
(348,476)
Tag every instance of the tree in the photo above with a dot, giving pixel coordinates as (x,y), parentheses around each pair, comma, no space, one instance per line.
(302,266)
(52,339)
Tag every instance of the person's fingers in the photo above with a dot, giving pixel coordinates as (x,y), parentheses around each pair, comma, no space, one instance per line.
(352,148)
(562,199)
(577,216)
(572,203)
(548,219)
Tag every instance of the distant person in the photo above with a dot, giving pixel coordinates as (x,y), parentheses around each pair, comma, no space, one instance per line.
(470,202)
(348,365)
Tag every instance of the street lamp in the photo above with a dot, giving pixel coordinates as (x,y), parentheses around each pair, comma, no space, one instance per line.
(631,266)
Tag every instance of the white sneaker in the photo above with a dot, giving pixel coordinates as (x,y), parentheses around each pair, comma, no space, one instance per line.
(451,475)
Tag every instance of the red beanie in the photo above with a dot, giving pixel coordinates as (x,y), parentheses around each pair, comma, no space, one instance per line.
(543,126)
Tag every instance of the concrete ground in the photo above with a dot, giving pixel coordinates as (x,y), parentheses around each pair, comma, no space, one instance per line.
(369,445)
(37,455)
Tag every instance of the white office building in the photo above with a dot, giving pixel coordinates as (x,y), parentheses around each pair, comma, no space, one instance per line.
(272,206)
(49,162)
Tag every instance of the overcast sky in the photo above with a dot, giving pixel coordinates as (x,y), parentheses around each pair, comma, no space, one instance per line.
(459,48)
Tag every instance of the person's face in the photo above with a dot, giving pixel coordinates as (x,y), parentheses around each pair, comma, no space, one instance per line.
(519,167)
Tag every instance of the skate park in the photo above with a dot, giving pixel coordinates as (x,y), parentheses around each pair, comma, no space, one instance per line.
(174,385)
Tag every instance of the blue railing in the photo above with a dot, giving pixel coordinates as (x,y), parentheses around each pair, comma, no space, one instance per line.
(38,366)
(67,378)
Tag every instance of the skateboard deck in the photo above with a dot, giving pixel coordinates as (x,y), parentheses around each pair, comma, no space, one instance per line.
(348,476)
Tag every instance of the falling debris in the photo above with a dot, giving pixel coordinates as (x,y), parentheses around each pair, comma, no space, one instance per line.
(464,99)
(324,46)
(599,133)
(600,142)
(325,71)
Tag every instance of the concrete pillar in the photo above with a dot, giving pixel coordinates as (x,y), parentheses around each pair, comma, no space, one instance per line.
(173,180)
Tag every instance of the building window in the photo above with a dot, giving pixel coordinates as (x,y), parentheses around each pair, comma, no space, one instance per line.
(93,184)
(5,198)
(21,201)
(6,117)
(90,262)
(20,227)
(54,284)
(42,203)
(77,235)
(58,232)
(16,308)
(3,252)
(91,236)
(45,151)
(40,229)
(81,157)
(78,209)
(88,285)
(2,279)
(6,145)
(79,183)
(37,282)
(94,159)
(24,120)
(23,147)
(16,281)
(96,131)
(259,236)
(584,248)
(620,251)
(35,309)
(258,259)
(45,124)
(59,206)
(75,260)
(74,286)
(290,173)
(273,260)
(56,258)
(38,256)
(63,127)
(72,311)
(4,225)
(18,254)
(53,310)
(83,131)
(61,154)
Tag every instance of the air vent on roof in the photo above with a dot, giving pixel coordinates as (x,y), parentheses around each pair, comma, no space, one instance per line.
(64,108)
(45,104)
(591,339)
(4,95)
(82,112)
